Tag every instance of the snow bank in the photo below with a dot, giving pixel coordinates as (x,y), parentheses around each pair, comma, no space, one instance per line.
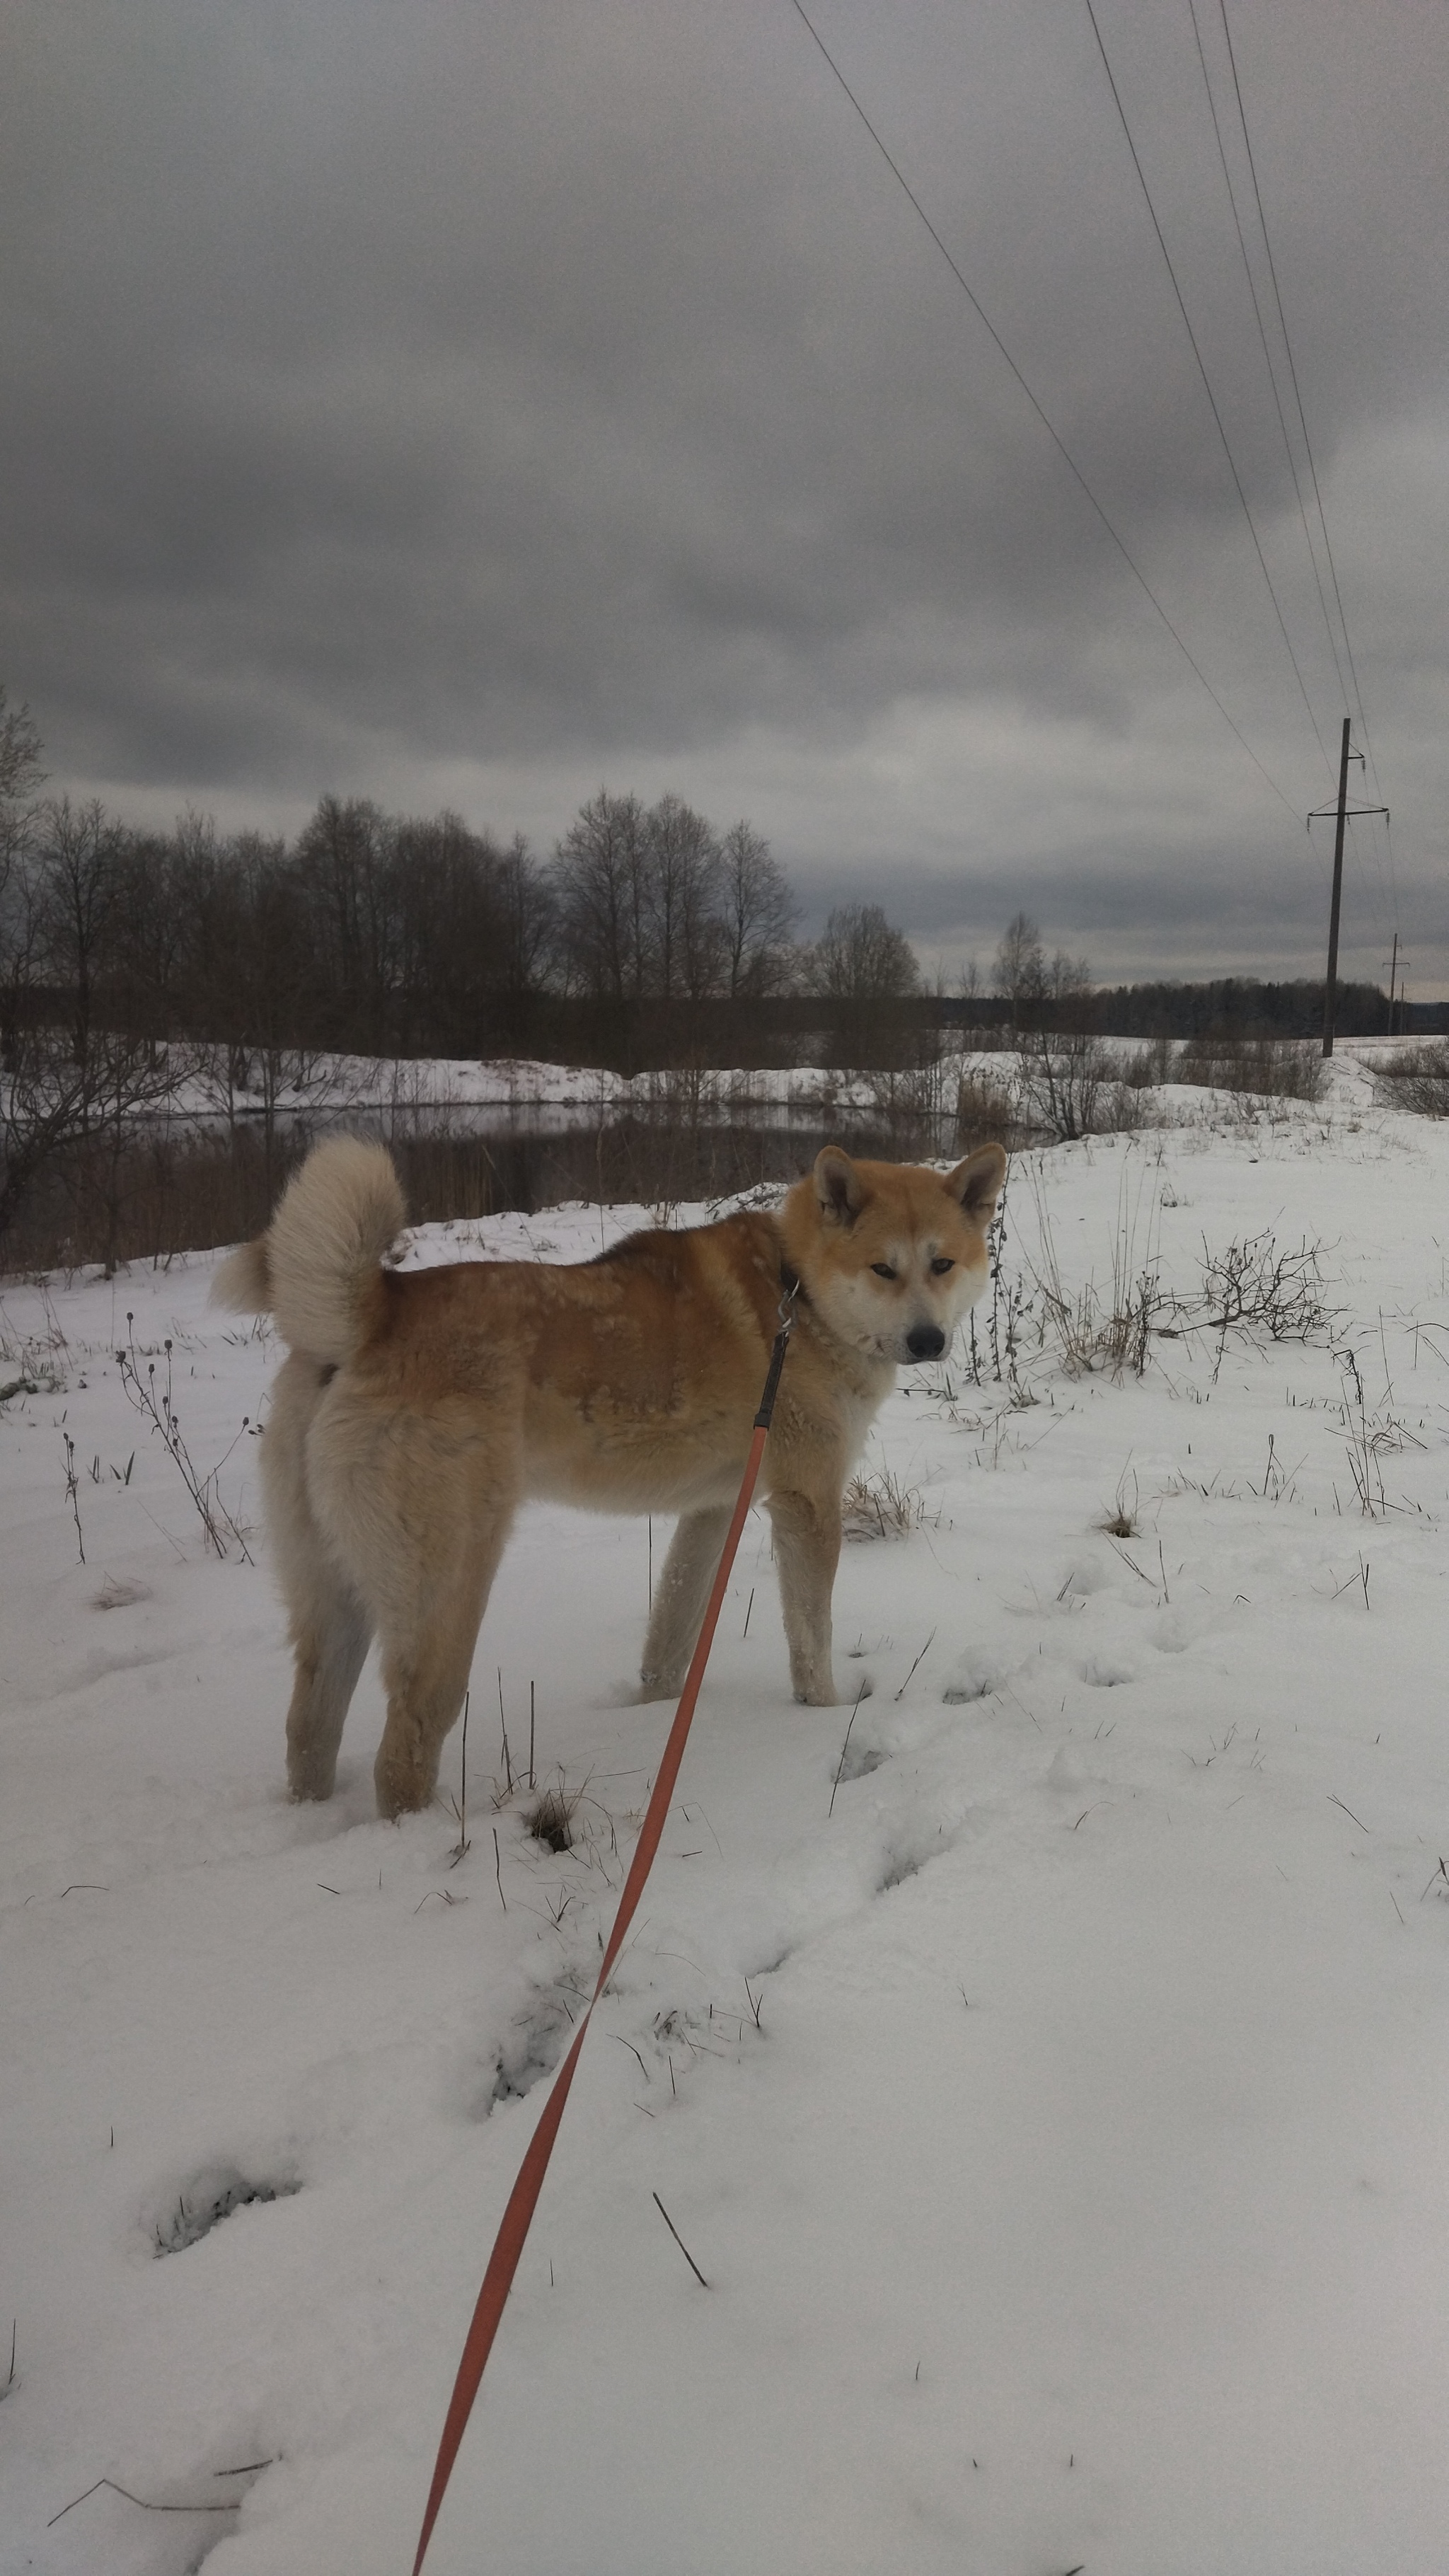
(1080,2197)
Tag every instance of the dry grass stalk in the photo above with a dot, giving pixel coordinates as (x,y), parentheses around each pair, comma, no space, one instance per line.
(880,1506)
(551,1818)
(153,1401)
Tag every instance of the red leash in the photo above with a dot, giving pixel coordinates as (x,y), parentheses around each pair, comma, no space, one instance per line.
(523,2199)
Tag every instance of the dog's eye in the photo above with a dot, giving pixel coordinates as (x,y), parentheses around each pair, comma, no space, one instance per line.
(941,1266)
(882,1270)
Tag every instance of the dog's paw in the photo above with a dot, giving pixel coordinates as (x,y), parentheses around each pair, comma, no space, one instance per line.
(652,1686)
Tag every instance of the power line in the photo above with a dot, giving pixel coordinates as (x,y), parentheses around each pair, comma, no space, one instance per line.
(1303,425)
(1272,374)
(1267,352)
(1207,384)
(1053,433)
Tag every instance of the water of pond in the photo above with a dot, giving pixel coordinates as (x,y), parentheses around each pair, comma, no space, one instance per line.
(474,1161)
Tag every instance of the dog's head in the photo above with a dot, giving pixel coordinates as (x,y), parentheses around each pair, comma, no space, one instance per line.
(893,1254)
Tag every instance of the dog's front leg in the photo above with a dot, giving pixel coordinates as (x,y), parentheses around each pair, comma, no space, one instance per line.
(679,1598)
(807,1549)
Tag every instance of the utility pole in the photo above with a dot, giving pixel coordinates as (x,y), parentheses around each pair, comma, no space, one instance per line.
(1393,973)
(1340,813)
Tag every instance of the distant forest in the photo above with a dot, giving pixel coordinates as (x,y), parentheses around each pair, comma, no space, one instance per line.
(647,939)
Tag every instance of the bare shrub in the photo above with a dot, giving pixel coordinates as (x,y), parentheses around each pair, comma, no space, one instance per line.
(986,1114)
(1251,1287)
(1268,1068)
(1074,1086)
(1416,1078)
(1150,1066)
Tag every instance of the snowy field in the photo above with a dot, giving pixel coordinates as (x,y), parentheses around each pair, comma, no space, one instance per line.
(1054,2095)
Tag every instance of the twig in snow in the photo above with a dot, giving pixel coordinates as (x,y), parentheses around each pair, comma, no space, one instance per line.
(72,1492)
(503,1722)
(906,1684)
(678,2239)
(144,2502)
(1348,1811)
(498,1870)
(840,1765)
(462,1847)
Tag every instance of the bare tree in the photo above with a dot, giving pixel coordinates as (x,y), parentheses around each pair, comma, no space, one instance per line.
(1019,973)
(758,914)
(71,1082)
(861,957)
(78,881)
(600,876)
(344,859)
(21,777)
(865,970)
(1069,1082)
(682,861)
(528,922)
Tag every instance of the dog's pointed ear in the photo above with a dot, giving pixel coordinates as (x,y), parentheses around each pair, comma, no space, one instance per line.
(838,1184)
(977,1182)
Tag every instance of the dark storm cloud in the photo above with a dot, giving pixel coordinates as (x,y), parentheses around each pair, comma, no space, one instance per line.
(477,400)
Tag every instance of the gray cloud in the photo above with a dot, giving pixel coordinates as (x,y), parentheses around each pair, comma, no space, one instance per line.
(478,401)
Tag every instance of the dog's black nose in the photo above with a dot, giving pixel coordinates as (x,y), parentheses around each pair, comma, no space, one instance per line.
(925,1341)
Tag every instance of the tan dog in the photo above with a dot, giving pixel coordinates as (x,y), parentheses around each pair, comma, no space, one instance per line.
(419,1408)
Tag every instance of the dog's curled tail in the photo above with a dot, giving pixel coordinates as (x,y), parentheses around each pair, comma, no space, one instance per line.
(317,1268)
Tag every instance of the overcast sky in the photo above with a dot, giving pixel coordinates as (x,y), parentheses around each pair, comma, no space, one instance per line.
(476,404)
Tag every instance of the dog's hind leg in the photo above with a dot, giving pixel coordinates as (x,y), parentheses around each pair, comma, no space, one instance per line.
(807,1551)
(428,1631)
(679,1598)
(329,1623)
(330,1638)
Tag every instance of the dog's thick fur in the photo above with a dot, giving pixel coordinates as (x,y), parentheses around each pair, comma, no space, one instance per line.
(419,1408)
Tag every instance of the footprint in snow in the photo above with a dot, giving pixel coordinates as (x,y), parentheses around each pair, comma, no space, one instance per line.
(1105,1674)
(181,2216)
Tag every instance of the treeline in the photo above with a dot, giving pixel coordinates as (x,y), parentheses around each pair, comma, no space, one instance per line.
(645,937)
(1233,1006)
(1229,1006)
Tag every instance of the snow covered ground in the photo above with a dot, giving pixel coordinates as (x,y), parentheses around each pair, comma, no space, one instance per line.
(402,1088)
(1061,2121)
